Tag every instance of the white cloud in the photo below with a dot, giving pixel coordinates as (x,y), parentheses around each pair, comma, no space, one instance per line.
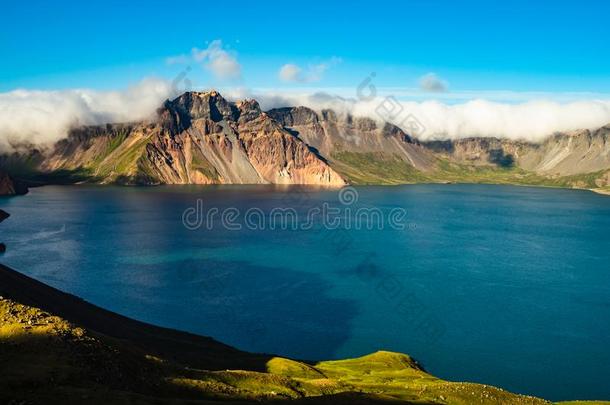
(290,73)
(432,83)
(314,73)
(42,117)
(530,120)
(222,63)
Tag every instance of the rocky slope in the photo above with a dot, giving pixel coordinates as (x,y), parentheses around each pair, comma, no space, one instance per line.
(56,348)
(331,134)
(361,149)
(562,154)
(578,159)
(198,138)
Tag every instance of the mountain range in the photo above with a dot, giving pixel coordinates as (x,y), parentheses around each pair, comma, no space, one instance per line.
(202,138)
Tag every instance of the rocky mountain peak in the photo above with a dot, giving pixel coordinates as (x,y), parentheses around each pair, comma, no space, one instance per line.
(248,110)
(294,116)
(329,115)
(209,105)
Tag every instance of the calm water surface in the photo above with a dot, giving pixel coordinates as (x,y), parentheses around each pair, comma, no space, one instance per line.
(501,285)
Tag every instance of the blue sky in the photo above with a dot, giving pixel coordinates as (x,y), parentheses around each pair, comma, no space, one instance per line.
(522,46)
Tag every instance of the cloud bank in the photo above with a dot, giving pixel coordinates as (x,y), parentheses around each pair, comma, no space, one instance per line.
(531,121)
(42,117)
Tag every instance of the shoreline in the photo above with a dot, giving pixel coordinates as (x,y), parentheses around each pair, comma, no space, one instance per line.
(599,191)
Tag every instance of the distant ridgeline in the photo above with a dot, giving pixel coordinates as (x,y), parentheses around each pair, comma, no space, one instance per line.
(201,138)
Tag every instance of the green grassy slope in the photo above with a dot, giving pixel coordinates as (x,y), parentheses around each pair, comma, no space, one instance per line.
(46,358)
(379,168)
(375,168)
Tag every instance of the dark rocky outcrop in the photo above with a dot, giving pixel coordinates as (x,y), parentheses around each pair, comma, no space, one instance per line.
(3,215)
(205,105)
(10,186)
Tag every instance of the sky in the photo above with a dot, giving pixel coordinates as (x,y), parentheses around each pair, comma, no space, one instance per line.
(559,46)
(448,51)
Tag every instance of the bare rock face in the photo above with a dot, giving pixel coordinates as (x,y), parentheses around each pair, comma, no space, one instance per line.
(296,116)
(329,133)
(205,105)
(281,158)
(562,154)
(481,151)
(197,138)
(249,110)
(571,153)
(9,186)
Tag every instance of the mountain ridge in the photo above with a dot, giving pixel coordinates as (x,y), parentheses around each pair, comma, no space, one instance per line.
(202,138)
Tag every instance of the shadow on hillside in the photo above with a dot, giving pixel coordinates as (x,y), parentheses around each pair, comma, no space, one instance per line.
(181,347)
(501,159)
(70,369)
(57,177)
(67,366)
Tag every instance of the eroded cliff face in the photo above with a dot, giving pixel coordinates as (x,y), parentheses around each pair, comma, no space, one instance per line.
(363,148)
(572,153)
(198,138)
(330,133)
(563,154)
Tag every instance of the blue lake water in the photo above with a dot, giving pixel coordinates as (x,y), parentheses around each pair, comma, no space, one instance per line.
(493,284)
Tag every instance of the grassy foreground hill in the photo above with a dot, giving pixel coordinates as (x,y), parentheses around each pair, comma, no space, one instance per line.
(57,348)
